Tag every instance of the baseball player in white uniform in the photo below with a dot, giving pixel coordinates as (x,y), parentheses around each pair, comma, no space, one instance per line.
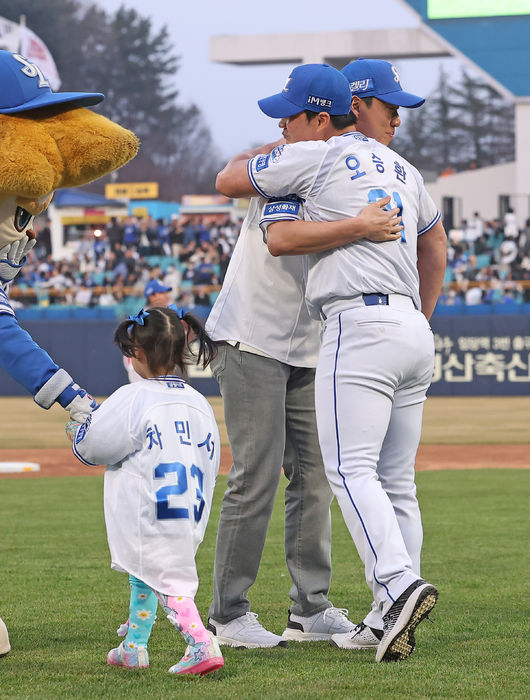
(265,369)
(377,353)
(160,442)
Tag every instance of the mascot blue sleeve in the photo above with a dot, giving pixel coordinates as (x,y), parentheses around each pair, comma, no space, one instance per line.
(34,369)
(21,357)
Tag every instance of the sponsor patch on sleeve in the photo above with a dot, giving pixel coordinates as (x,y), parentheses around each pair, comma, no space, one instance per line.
(276,153)
(281,207)
(82,430)
(262,162)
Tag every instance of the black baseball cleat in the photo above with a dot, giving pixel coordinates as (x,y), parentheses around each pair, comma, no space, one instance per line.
(400,622)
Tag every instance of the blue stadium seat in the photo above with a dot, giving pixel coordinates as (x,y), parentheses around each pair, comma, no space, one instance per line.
(448,277)
(483,260)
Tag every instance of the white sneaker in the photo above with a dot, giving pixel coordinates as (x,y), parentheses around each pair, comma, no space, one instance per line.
(362,637)
(5,647)
(245,632)
(319,627)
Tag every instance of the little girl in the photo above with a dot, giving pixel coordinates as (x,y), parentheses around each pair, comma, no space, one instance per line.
(160,442)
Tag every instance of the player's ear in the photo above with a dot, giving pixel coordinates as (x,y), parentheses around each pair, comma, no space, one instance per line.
(355,103)
(323,120)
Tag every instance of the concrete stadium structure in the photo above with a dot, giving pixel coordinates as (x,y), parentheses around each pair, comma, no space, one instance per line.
(497,48)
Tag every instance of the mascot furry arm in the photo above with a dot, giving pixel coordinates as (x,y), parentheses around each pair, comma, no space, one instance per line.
(47,141)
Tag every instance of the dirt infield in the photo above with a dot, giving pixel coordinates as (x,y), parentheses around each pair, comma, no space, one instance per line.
(61,462)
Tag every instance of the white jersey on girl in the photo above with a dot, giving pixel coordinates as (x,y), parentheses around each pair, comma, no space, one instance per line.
(160,442)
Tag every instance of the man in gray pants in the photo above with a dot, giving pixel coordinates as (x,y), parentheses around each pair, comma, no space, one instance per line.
(265,369)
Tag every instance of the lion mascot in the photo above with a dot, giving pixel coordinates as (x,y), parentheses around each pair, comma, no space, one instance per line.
(48,140)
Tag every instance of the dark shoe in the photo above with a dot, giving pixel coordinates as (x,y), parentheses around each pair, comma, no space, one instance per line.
(412,606)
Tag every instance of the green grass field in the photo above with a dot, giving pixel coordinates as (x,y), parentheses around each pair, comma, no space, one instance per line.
(62,603)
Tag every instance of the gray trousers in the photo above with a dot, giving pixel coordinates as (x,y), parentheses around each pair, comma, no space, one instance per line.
(270,418)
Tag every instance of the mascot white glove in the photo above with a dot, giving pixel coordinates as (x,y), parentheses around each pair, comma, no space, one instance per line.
(13,257)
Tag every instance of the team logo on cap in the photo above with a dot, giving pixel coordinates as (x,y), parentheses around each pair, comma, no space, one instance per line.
(31,70)
(396,74)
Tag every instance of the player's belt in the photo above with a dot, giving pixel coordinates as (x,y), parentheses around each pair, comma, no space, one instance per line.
(396,301)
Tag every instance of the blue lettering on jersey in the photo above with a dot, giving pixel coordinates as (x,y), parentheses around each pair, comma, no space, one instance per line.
(176,384)
(400,171)
(209,444)
(378,162)
(262,162)
(281,208)
(154,436)
(395,202)
(352,163)
(182,428)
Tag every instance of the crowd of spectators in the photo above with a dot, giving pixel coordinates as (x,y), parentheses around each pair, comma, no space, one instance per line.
(488,262)
(111,266)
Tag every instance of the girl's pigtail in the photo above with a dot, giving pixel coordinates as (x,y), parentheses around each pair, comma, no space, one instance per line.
(207,346)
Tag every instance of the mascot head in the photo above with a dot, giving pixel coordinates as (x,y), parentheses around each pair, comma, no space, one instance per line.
(48,140)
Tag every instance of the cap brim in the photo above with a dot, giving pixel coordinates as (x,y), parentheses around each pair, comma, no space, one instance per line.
(278,107)
(400,98)
(75,99)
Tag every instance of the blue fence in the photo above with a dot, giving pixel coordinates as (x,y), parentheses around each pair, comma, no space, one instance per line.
(476,355)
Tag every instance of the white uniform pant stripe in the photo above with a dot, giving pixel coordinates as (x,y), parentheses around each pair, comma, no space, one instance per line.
(374,368)
(338,467)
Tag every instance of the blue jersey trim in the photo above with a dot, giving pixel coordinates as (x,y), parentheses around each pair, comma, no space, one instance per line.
(5,306)
(339,463)
(274,219)
(80,458)
(429,226)
(253,180)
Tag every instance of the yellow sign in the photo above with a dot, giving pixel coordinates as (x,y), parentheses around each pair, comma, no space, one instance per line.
(87,219)
(131,190)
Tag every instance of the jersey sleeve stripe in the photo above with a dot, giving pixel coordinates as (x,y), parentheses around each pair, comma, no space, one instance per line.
(429,226)
(253,180)
(80,458)
(278,217)
(5,306)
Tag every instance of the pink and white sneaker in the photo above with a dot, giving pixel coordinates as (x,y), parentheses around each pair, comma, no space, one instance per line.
(200,658)
(128,655)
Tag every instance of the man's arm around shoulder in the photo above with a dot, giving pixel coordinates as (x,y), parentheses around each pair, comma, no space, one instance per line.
(233,180)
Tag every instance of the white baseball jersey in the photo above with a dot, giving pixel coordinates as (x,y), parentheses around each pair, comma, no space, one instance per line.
(261,303)
(160,442)
(335,179)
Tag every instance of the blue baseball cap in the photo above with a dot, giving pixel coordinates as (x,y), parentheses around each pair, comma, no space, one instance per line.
(317,87)
(23,87)
(371,77)
(155,287)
